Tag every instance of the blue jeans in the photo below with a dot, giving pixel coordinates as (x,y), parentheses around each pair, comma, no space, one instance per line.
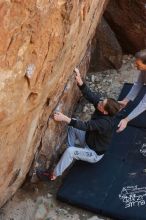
(72,152)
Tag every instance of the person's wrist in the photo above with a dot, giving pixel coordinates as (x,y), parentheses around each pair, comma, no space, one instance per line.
(126,101)
(67,119)
(126,119)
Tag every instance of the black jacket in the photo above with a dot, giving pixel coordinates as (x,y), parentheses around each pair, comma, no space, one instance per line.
(99,129)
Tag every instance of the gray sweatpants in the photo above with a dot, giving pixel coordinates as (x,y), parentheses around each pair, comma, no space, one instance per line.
(84,153)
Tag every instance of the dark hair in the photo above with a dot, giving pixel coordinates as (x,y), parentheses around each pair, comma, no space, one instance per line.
(112,106)
(141,55)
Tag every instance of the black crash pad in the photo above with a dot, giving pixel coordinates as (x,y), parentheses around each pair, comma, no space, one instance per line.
(127,196)
(116,185)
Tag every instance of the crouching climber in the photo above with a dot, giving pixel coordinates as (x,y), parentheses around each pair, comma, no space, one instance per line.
(94,136)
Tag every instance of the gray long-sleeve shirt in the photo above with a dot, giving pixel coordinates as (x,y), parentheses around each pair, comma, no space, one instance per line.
(134,92)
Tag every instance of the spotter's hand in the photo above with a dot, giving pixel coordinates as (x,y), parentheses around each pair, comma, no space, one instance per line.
(122,125)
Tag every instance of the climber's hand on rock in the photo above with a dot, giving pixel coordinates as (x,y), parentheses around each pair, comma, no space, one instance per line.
(78,77)
(58,116)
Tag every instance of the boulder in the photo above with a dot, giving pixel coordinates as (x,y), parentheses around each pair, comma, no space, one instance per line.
(106,50)
(40,44)
(128,20)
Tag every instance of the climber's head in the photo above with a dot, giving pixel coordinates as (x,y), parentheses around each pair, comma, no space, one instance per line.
(109,106)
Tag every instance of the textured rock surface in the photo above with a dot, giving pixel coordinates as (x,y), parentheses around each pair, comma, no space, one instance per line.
(128,20)
(107,52)
(41,41)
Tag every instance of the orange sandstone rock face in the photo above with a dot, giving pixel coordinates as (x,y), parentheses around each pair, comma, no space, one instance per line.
(41,42)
